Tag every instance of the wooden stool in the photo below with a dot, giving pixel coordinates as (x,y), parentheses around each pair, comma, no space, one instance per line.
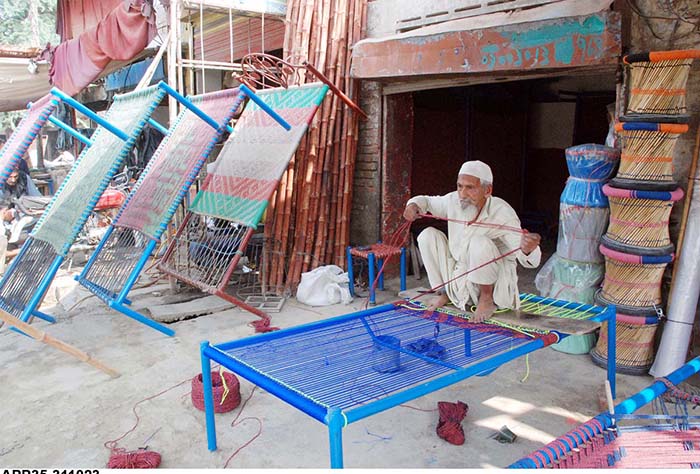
(375,253)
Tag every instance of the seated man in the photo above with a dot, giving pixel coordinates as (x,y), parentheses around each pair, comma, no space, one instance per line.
(460,261)
(16,222)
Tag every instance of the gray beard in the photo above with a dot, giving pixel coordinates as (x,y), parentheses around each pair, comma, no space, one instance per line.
(465,203)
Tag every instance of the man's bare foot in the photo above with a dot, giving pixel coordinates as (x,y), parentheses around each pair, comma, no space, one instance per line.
(484,310)
(438,302)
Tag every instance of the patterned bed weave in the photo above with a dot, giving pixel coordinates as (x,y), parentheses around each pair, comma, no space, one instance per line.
(177,161)
(89,177)
(257,154)
(24,134)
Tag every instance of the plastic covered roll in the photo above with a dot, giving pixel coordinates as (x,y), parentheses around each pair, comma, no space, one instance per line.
(568,280)
(591,161)
(580,229)
(589,165)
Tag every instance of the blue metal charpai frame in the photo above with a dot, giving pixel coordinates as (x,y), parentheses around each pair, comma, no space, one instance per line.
(579,437)
(118,300)
(20,306)
(242,357)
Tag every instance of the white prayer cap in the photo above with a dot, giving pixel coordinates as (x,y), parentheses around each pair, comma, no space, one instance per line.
(478,169)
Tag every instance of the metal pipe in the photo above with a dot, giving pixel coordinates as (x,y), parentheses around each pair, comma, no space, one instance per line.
(70,130)
(92,115)
(208,396)
(633,403)
(247,91)
(683,298)
(157,126)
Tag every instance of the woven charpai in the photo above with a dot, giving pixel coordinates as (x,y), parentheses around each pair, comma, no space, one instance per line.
(24,134)
(176,163)
(90,175)
(239,187)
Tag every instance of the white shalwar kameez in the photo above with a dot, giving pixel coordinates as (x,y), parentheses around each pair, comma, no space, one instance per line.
(470,246)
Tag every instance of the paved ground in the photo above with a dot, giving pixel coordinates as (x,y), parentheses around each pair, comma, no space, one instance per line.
(59,412)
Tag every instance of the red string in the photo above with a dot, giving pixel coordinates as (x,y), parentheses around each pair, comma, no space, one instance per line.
(235,423)
(469,271)
(477,224)
(399,237)
(120,455)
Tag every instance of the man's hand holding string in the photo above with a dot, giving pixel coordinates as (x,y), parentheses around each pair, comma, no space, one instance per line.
(412,212)
(529,242)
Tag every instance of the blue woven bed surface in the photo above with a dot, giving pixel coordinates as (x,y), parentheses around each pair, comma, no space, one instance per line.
(339,365)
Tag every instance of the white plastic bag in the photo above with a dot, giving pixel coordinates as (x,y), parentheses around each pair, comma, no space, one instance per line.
(324,286)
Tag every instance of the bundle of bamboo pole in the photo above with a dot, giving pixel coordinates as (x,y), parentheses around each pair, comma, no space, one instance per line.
(308,219)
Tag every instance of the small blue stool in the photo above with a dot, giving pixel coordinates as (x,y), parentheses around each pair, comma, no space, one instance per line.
(375,253)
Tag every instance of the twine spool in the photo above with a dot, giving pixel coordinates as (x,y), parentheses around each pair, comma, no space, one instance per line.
(647,155)
(639,220)
(657,81)
(141,459)
(221,404)
(634,344)
(632,282)
(385,356)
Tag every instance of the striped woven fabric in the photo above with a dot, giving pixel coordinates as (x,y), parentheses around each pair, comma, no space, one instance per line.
(176,164)
(25,133)
(256,156)
(89,177)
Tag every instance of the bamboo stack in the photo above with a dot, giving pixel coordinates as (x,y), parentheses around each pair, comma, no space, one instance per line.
(309,215)
(637,247)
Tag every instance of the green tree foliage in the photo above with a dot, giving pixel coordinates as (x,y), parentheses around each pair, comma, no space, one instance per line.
(19,29)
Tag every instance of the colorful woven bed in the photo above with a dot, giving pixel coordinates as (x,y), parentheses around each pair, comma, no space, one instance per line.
(25,133)
(226,212)
(28,277)
(669,438)
(124,250)
(344,369)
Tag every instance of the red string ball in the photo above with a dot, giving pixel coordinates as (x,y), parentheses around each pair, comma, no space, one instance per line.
(232,400)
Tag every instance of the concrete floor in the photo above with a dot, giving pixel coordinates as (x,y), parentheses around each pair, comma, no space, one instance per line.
(58,412)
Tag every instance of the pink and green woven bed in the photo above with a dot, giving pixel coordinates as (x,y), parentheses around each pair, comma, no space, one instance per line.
(227,210)
(27,279)
(667,438)
(122,253)
(24,134)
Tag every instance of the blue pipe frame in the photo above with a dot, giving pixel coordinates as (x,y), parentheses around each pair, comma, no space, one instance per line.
(607,420)
(336,419)
(119,301)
